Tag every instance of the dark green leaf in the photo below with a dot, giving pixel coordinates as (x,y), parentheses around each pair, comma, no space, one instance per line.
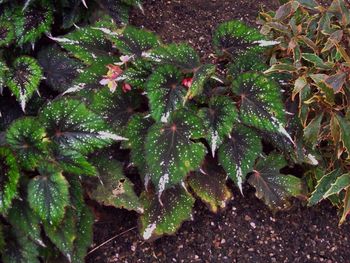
(7,33)
(27,138)
(31,23)
(180,55)
(24,221)
(24,79)
(72,162)
(346,209)
(84,235)
(238,152)
(71,125)
(247,61)
(48,195)
(200,77)
(116,108)
(133,41)
(272,187)
(117,9)
(170,153)
(137,73)
(234,37)
(136,131)
(261,105)
(159,219)
(59,69)
(64,234)
(87,43)
(20,249)
(9,175)
(219,118)
(165,92)
(114,188)
(209,185)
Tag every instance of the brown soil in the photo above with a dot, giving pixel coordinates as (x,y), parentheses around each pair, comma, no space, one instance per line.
(246,231)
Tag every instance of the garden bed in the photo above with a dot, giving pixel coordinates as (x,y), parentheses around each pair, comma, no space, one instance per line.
(246,231)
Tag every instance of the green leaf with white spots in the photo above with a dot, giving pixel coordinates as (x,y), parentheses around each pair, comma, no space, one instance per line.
(88,44)
(9,174)
(165,92)
(159,219)
(170,153)
(200,77)
(24,78)
(117,9)
(260,103)
(24,221)
(247,61)
(48,195)
(238,152)
(209,184)
(7,33)
(218,118)
(71,125)
(84,235)
(137,73)
(341,183)
(114,188)
(3,73)
(91,74)
(20,249)
(116,108)
(136,129)
(72,162)
(271,186)
(180,55)
(134,41)
(234,37)
(344,125)
(64,234)
(59,69)
(323,185)
(32,23)
(27,138)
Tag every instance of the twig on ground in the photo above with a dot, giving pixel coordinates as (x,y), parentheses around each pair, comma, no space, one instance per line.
(109,240)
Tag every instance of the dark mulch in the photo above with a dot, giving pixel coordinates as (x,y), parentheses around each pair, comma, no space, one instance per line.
(194,21)
(246,231)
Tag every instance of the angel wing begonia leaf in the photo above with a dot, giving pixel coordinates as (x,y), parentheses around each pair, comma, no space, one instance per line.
(165,92)
(180,55)
(238,153)
(219,119)
(261,103)
(271,186)
(27,138)
(24,79)
(71,125)
(10,175)
(170,153)
(158,219)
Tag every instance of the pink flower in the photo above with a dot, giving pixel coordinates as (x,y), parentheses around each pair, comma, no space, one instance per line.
(187,82)
(114,71)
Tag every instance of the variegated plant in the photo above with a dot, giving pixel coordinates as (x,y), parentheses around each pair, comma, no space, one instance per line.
(313,51)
